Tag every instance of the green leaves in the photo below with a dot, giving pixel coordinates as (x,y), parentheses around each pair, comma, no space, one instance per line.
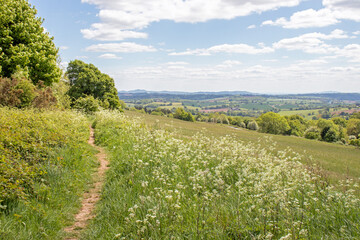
(87,80)
(23,43)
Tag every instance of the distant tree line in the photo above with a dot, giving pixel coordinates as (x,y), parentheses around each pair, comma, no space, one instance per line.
(336,129)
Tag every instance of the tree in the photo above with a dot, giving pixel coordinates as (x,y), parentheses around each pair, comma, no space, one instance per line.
(273,123)
(24,44)
(87,80)
(297,125)
(353,127)
(312,133)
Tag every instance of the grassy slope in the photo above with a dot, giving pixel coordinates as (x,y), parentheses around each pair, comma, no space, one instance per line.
(339,161)
(67,160)
(163,187)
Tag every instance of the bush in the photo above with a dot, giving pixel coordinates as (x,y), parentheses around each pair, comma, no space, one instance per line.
(331,135)
(355,142)
(26,139)
(253,125)
(312,133)
(88,104)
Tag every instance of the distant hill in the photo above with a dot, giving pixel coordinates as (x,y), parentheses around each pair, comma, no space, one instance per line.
(144,94)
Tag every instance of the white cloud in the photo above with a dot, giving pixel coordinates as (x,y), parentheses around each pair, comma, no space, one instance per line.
(177,63)
(109,56)
(229,64)
(232,62)
(316,75)
(344,9)
(351,51)
(305,19)
(311,42)
(356,33)
(119,15)
(82,57)
(105,33)
(63,47)
(125,47)
(225,48)
(251,26)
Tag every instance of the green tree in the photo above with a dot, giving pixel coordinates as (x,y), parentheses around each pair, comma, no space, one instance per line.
(24,43)
(297,125)
(353,127)
(87,80)
(312,133)
(273,123)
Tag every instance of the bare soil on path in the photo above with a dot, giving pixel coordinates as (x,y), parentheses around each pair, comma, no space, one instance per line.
(91,197)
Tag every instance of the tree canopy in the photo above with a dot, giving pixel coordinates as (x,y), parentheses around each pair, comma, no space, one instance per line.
(273,123)
(24,44)
(87,80)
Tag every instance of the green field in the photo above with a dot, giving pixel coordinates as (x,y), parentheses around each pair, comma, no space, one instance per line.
(338,161)
(192,185)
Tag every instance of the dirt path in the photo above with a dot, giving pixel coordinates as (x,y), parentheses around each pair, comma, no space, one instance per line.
(91,197)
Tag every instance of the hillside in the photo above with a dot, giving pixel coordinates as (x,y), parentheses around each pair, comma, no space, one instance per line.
(338,161)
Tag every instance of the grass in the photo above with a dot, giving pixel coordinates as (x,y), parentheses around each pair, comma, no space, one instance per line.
(46,166)
(162,186)
(338,161)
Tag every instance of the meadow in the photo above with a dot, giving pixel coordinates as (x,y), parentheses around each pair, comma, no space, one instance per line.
(170,185)
(338,162)
(45,166)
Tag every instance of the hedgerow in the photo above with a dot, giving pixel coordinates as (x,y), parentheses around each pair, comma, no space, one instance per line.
(45,165)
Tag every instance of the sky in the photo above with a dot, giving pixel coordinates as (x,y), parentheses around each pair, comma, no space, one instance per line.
(262,46)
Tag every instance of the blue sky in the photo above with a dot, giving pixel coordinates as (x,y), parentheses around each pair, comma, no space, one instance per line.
(264,46)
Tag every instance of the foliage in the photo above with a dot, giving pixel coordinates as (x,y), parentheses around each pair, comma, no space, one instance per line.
(353,127)
(273,123)
(181,114)
(60,90)
(22,93)
(9,94)
(163,187)
(355,115)
(297,125)
(312,133)
(28,92)
(87,80)
(355,142)
(45,165)
(88,104)
(253,126)
(24,44)
(339,121)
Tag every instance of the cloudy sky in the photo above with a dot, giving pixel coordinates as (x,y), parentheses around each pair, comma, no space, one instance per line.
(265,46)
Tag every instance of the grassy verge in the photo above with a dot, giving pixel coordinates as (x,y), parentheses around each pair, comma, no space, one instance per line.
(46,165)
(339,162)
(161,186)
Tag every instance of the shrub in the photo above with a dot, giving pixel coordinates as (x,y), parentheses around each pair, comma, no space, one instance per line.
(45,97)
(312,133)
(253,125)
(88,104)
(355,142)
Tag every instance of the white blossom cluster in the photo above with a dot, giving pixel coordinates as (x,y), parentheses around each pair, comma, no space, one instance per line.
(217,188)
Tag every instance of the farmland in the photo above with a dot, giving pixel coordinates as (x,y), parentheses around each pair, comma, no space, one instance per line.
(247,104)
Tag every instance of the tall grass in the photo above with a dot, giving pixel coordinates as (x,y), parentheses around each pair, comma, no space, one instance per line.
(45,166)
(162,187)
